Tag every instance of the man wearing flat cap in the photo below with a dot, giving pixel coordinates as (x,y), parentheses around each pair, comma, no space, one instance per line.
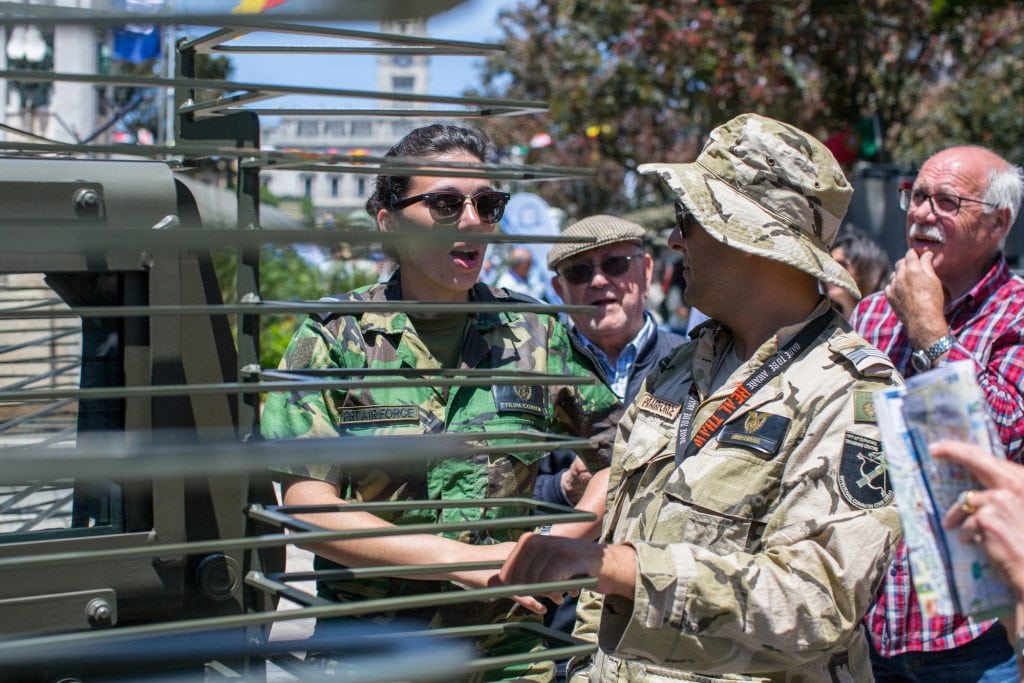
(749,515)
(611,273)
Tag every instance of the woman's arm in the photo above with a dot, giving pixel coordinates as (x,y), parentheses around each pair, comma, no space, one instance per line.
(405,549)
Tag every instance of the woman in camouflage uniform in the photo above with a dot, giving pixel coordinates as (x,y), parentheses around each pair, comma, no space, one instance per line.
(506,341)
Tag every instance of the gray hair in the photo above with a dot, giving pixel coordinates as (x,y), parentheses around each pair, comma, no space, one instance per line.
(1005,189)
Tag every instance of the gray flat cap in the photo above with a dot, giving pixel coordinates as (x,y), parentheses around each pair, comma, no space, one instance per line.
(606,230)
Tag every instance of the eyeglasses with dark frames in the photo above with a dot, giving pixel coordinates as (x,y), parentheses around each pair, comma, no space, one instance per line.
(613,266)
(942,203)
(446,207)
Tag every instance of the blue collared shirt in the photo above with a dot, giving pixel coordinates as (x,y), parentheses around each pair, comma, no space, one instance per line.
(618,374)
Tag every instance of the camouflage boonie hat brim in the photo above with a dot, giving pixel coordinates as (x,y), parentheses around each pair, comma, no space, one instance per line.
(604,229)
(769,189)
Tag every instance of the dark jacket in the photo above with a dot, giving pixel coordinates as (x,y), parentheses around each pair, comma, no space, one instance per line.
(548,487)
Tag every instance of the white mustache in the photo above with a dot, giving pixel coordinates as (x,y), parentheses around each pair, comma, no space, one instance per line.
(928,232)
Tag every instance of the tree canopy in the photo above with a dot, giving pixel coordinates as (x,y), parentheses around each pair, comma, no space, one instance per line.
(630,82)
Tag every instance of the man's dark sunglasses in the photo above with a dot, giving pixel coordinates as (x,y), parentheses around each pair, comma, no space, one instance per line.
(612,266)
(684,219)
(446,207)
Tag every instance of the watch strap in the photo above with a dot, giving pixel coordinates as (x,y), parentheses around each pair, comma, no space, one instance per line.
(940,347)
(924,359)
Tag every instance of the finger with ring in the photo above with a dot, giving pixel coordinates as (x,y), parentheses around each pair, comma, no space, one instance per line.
(965,502)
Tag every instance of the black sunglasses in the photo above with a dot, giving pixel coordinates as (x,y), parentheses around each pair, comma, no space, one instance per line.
(612,266)
(446,207)
(684,219)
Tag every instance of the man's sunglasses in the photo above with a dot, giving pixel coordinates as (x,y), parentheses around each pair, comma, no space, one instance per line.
(612,266)
(684,219)
(446,207)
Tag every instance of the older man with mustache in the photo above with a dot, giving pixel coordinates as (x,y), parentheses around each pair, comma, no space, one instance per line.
(952,297)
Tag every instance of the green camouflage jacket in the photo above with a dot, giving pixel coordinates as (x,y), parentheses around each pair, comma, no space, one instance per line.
(503,341)
(759,554)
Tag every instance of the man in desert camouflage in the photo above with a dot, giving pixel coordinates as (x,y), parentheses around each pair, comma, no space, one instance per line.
(749,515)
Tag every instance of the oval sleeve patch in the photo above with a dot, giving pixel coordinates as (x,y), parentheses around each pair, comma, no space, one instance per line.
(863,474)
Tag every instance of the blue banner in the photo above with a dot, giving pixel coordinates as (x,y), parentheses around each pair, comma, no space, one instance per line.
(137,43)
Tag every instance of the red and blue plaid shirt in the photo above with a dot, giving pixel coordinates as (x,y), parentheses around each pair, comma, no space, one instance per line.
(988,324)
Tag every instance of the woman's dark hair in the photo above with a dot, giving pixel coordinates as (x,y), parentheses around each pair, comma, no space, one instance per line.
(867,258)
(427,141)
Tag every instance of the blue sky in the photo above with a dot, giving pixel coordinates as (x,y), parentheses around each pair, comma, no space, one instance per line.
(473,20)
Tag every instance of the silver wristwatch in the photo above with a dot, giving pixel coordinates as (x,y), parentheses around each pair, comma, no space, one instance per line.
(924,359)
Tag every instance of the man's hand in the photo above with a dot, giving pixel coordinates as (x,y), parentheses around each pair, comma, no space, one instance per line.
(575,480)
(482,578)
(918,299)
(592,501)
(538,558)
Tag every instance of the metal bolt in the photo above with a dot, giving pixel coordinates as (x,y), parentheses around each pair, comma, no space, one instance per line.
(86,200)
(99,612)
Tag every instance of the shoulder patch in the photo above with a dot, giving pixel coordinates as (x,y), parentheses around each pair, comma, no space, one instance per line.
(300,354)
(520,398)
(863,473)
(868,361)
(864,407)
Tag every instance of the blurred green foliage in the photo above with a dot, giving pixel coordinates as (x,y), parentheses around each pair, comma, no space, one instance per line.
(286,276)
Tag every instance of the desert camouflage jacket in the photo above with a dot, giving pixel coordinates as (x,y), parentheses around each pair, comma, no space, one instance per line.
(757,555)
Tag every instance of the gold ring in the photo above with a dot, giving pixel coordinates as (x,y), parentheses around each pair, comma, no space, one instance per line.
(965,502)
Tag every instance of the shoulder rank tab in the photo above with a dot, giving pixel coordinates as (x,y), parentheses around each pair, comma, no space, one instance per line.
(869,361)
(519,296)
(324,317)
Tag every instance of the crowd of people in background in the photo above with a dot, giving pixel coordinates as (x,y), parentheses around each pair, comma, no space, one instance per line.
(512,267)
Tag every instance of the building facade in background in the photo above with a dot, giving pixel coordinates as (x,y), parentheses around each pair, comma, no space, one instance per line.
(339,198)
(62,111)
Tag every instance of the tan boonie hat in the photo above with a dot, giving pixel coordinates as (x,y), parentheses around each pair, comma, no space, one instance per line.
(769,189)
(605,230)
